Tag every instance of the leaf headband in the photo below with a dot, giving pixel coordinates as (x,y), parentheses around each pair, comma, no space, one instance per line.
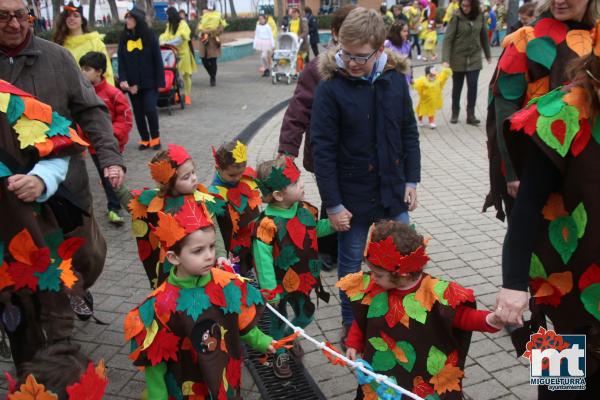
(384,254)
(239,154)
(91,386)
(279,178)
(192,216)
(162,171)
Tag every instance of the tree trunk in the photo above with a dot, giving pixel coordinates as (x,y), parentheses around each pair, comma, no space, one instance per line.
(114,11)
(92,13)
(232,9)
(55,10)
(280,9)
(150,13)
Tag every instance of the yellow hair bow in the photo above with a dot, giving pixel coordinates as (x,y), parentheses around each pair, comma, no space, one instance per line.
(134,44)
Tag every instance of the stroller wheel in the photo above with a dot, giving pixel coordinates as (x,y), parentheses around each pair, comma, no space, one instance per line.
(289,80)
(182,101)
(274,79)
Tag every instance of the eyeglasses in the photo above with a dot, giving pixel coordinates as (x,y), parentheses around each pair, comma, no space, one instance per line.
(21,15)
(360,60)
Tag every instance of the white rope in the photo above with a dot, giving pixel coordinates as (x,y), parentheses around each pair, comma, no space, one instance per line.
(321,345)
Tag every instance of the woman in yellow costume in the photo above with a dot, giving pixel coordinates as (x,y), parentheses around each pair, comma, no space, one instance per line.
(72,32)
(209,30)
(178,34)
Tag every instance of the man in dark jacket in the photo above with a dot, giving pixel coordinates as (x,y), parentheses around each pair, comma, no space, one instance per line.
(313,30)
(364,137)
(49,72)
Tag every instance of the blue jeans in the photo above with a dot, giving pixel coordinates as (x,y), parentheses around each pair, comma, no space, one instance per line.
(351,246)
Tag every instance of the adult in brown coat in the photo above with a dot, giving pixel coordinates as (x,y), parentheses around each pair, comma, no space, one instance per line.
(210,29)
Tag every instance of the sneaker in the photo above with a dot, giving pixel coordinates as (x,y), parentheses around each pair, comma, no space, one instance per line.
(432,125)
(419,57)
(266,73)
(80,307)
(155,144)
(143,144)
(281,366)
(420,123)
(297,351)
(327,262)
(114,218)
(188,100)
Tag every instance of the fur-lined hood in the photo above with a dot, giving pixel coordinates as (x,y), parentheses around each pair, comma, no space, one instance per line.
(328,67)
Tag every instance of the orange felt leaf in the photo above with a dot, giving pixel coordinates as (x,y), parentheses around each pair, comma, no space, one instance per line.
(333,359)
(580,42)
(247,315)
(5,278)
(156,204)
(425,294)
(137,209)
(562,280)
(77,139)
(544,290)
(35,109)
(162,171)
(22,246)
(255,199)
(67,276)
(519,38)
(101,369)
(351,284)
(291,281)
(448,379)
(266,230)
(369,393)
(578,98)
(221,277)
(44,148)
(399,354)
(538,88)
(154,242)
(554,207)
(133,324)
(285,342)
(168,231)
(235,219)
(31,390)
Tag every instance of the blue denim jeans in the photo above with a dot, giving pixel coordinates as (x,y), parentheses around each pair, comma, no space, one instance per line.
(351,246)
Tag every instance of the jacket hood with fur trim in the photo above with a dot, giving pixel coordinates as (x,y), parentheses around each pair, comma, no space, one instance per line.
(328,67)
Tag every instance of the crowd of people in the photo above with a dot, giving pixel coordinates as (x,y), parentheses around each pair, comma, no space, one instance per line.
(200,246)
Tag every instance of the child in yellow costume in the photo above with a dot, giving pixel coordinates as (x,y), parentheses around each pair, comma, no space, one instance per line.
(429,88)
(430,37)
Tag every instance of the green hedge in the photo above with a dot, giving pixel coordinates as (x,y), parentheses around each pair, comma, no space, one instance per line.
(324,21)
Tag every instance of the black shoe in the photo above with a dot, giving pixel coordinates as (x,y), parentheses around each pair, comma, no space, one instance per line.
(471,118)
(454,117)
(266,73)
(213,81)
(297,351)
(327,262)
(83,306)
(281,366)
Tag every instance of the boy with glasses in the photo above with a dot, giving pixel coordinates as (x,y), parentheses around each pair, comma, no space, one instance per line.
(364,137)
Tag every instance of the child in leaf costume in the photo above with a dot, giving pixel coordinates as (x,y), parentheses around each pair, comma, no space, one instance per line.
(408,324)
(187,333)
(235,183)
(174,172)
(285,250)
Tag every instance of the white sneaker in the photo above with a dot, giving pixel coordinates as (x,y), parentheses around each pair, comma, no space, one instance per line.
(432,125)
(419,57)
(420,123)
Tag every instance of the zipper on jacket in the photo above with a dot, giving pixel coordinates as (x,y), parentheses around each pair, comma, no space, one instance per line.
(11,60)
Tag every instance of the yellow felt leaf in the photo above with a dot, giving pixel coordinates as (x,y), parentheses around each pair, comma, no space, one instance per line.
(291,281)
(239,153)
(580,42)
(578,98)
(447,380)
(156,204)
(222,277)
(266,230)
(66,275)
(351,284)
(31,390)
(150,335)
(4,99)
(425,294)
(187,388)
(554,207)
(30,132)
(139,228)
(562,280)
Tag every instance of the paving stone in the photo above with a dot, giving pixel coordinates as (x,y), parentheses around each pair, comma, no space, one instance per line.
(483,347)
(525,391)
(497,361)
(474,374)
(512,376)
(487,390)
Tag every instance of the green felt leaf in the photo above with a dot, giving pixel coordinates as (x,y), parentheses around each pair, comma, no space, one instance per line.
(49,279)
(305,217)
(147,311)
(563,237)
(174,204)
(550,104)
(277,180)
(287,257)
(216,207)
(315,267)
(596,130)
(193,302)
(4,170)
(512,86)
(253,296)
(536,269)
(590,297)
(366,281)
(15,109)
(433,396)
(60,125)
(146,196)
(379,306)
(166,267)
(53,240)
(233,298)
(243,204)
(570,116)
(383,361)
(281,224)
(1,252)
(542,50)
(411,355)
(378,344)
(439,290)
(436,360)
(172,387)
(414,309)
(579,215)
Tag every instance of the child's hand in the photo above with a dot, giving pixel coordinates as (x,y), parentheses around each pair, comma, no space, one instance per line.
(351,353)
(494,320)
(271,349)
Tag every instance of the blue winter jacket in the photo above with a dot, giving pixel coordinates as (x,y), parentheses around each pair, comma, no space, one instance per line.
(365,139)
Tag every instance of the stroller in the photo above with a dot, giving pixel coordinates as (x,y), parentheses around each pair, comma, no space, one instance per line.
(285,58)
(172,93)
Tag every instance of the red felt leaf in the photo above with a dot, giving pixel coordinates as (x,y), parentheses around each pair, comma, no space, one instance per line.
(388,340)
(525,120)
(396,311)
(271,294)
(422,388)
(414,262)
(384,253)
(250,172)
(69,247)
(549,294)
(215,293)
(166,302)
(582,138)
(590,276)
(452,358)
(233,372)
(178,154)
(91,386)
(296,231)
(144,249)
(192,216)
(60,142)
(40,259)
(245,189)
(373,289)
(559,130)
(456,294)
(307,282)
(552,28)
(22,276)
(234,195)
(8,88)
(291,171)
(242,238)
(314,243)
(513,62)
(163,348)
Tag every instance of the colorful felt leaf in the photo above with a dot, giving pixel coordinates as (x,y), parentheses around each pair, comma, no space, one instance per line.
(512,61)
(253,296)
(60,125)
(351,284)
(536,269)
(538,88)
(35,109)
(596,128)
(414,309)
(551,104)
(22,275)
(67,276)
(21,247)
(379,305)
(139,228)
(162,171)
(554,208)
(296,231)
(422,388)
(4,99)
(291,171)
(192,216)
(590,297)
(447,379)
(193,302)
(383,361)
(287,257)
(307,283)
(396,312)
(178,154)
(551,28)
(378,344)
(439,290)
(266,230)
(512,86)
(542,50)
(69,247)
(133,324)
(156,204)
(578,97)
(168,231)
(582,138)
(163,348)
(579,215)
(436,360)
(590,276)
(4,170)
(91,385)
(137,209)
(305,217)
(409,353)
(215,294)
(239,152)
(146,310)
(580,41)
(174,203)
(233,298)
(30,132)
(425,294)
(456,294)
(15,109)
(384,253)
(291,281)
(31,390)
(519,38)
(563,237)
(333,359)
(560,137)
(5,278)
(563,281)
